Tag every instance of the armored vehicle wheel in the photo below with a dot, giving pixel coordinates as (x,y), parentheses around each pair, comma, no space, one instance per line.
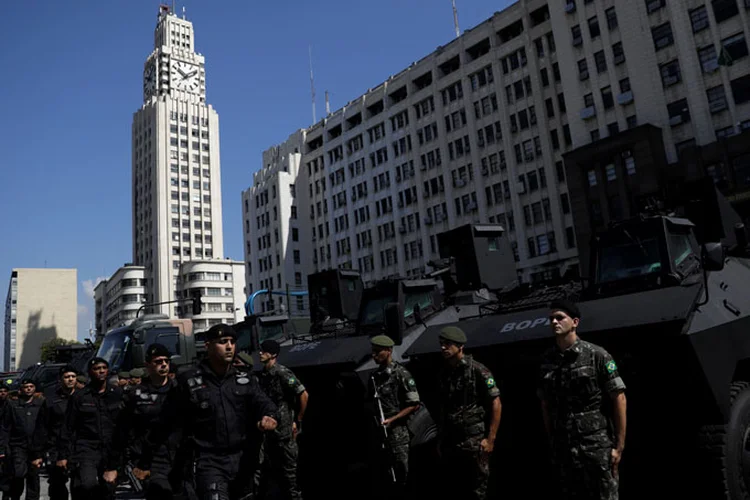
(725,450)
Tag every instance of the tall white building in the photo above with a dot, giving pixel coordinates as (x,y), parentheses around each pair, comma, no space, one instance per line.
(41,305)
(476,131)
(176,163)
(221,285)
(277,239)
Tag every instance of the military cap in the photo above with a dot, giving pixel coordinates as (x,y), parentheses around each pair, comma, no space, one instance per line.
(27,380)
(270,346)
(124,375)
(219,331)
(137,373)
(68,369)
(246,358)
(97,360)
(157,350)
(453,334)
(382,341)
(566,306)
(83,379)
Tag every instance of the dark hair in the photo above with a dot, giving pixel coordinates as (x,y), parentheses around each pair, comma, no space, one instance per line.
(567,306)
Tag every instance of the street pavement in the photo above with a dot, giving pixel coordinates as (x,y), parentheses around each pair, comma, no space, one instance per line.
(123,492)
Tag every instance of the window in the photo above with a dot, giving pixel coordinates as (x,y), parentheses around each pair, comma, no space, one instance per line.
(607,99)
(630,165)
(735,46)
(662,36)
(550,107)
(594,30)
(625,85)
(611,18)
(618,54)
(601,61)
(741,89)
(707,56)
(295,234)
(654,5)
(545,77)
(679,112)
(565,203)
(613,128)
(699,18)
(724,9)
(610,171)
(588,100)
(717,99)
(670,73)
(592,178)
(632,121)
(560,171)
(296,256)
(594,135)
(583,71)
(575,32)
(570,237)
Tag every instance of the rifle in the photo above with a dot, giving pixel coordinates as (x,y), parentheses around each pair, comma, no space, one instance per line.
(134,481)
(380,423)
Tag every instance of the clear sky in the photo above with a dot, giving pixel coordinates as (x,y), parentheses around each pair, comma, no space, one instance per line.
(72,79)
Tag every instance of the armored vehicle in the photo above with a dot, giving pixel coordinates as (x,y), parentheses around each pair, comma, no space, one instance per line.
(674,311)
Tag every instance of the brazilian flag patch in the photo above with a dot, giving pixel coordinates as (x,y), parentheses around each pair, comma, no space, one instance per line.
(291,381)
(411,382)
(611,366)
(490,382)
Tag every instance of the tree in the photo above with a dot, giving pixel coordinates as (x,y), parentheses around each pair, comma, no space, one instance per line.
(48,348)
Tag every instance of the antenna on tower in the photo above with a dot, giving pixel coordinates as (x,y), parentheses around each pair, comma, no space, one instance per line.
(455,19)
(183,12)
(312,85)
(328,105)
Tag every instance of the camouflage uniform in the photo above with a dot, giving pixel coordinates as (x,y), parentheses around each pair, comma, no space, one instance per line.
(575,385)
(397,390)
(466,391)
(280,448)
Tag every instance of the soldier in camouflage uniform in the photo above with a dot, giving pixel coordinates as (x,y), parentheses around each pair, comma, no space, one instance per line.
(580,387)
(469,418)
(290,396)
(398,396)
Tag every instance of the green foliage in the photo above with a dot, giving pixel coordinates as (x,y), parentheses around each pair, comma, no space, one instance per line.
(48,348)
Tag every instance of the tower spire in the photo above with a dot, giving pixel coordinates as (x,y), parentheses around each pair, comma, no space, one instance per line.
(312,85)
(455,19)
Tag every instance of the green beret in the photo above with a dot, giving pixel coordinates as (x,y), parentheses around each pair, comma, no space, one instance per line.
(82,379)
(137,373)
(124,375)
(246,358)
(453,334)
(382,341)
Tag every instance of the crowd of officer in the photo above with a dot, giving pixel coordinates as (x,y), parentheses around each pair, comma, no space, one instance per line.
(221,431)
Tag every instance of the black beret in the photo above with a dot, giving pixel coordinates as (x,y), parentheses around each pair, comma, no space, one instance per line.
(157,350)
(219,331)
(566,306)
(270,346)
(27,380)
(97,360)
(68,369)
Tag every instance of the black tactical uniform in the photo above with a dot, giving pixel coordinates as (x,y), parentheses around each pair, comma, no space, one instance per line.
(142,407)
(280,448)
(397,390)
(56,408)
(216,414)
(86,440)
(22,437)
(575,383)
(466,392)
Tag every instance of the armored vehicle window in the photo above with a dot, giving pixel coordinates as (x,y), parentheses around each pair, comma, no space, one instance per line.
(423,299)
(628,257)
(680,247)
(374,310)
(270,331)
(169,337)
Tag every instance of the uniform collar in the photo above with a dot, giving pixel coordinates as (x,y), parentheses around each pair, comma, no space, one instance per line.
(571,352)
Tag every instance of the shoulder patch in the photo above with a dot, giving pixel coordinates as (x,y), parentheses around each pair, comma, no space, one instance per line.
(292,380)
(411,382)
(490,382)
(611,366)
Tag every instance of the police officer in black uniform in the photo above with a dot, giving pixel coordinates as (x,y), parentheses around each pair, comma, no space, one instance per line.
(22,434)
(143,405)
(215,406)
(85,442)
(56,408)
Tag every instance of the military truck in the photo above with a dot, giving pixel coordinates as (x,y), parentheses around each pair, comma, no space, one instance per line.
(673,309)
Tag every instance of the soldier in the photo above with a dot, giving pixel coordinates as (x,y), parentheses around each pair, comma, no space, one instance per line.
(398,397)
(56,408)
(290,396)
(136,377)
(123,379)
(579,386)
(81,381)
(252,457)
(143,405)
(85,442)
(214,405)
(470,400)
(22,437)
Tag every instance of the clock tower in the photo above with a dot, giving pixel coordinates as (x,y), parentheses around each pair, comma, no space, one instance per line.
(176,164)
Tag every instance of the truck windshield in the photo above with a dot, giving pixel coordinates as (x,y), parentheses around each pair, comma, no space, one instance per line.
(373,312)
(628,258)
(114,348)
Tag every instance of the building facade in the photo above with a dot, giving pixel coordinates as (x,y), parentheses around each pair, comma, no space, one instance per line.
(221,286)
(176,163)
(117,299)
(477,130)
(42,304)
(277,239)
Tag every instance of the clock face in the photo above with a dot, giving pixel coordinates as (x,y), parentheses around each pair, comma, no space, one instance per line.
(185,76)
(149,80)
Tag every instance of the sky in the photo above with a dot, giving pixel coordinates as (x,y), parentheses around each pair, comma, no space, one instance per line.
(72,79)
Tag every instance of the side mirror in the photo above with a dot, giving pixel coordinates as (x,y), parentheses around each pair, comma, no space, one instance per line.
(713,257)
(394,322)
(139,355)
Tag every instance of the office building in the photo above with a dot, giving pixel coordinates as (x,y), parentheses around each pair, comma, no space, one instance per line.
(118,299)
